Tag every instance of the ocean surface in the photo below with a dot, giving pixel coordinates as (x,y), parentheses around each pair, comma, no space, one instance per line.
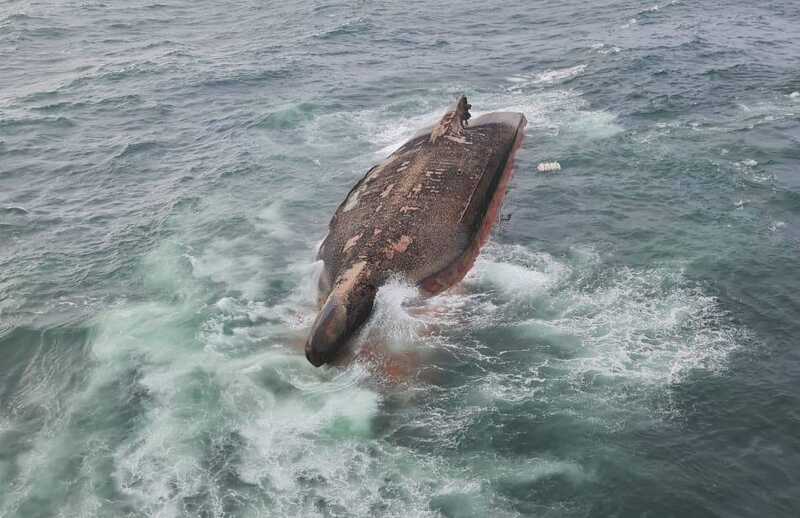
(625,346)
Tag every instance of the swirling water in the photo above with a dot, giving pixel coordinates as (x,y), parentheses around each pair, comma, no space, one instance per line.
(625,346)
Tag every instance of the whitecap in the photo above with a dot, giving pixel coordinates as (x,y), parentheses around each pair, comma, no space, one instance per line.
(547,76)
(776,225)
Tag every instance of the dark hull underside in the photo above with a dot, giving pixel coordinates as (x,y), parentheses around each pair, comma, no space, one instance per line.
(455,271)
(425,212)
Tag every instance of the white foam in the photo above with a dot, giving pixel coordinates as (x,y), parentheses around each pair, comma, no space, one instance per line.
(750,169)
(603,48)
(610,50)
(617,341)
(646,325)
(531,470)
(548,76)
(291,422)
(512,278)
(239,402)
(272,222)
(591,124)
(512,388)
(390,135)
(232,262)
(559,112)
(385,129)
(776,225)
(559,74)
(308,288)
(756,113)
(517,271)
(313,430)
(305,434)
(391,322)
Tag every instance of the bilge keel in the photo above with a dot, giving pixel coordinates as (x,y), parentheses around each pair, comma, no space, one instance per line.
(423,214)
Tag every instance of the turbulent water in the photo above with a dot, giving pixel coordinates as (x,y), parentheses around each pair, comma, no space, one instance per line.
(626,345)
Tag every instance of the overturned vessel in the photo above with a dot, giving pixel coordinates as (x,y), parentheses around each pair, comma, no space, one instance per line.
(423,214)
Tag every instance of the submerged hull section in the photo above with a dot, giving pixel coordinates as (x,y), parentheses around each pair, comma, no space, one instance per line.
(422,214)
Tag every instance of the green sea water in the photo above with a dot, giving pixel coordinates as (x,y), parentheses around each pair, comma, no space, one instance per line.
(625,346)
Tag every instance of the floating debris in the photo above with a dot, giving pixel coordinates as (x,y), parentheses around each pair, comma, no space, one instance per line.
(548,167)
(776,225)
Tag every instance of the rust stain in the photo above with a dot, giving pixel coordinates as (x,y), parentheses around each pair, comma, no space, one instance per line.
(399,247)
(402,245)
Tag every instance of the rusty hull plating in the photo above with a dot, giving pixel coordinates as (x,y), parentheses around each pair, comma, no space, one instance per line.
(423,214)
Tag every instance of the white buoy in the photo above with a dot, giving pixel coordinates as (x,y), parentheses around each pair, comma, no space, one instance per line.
(548,167)
(794,95)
